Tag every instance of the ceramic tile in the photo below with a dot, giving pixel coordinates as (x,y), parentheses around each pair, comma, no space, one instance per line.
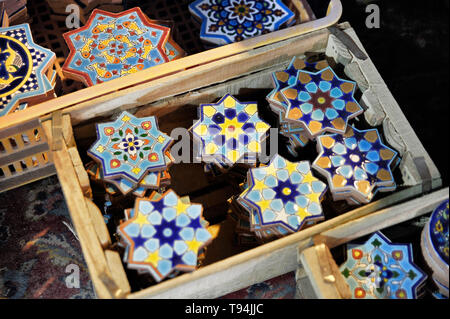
(434,244)
(356,163)
(173,51)
(284,79)
(379,269)
(153,180)
(130,148)
(283,194)
(229,132)
(321,102)
(165,234)
(112,45)
(22,68)
(438,230)
(228,21)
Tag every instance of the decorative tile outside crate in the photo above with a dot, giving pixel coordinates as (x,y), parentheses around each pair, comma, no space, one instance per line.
(283,196)
(164,235)
(112,45)
(23,68)
(130,147)
(228,21)
(434,244)
(438,230)
(321,102)
(379,269)
(356,164)
(229,132)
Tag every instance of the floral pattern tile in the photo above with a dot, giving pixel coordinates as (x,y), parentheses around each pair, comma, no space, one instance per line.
(439,230)
(379,269)
(130,147)
(228,21)
(112,45)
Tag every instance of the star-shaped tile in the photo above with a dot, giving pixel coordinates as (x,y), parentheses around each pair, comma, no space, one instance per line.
(229,132)
(356,164)
(321,102)
(164,235)
(130,148)
(112,45)
(23,67)
(379,269)
(228,21)
(284,194)
(281,80)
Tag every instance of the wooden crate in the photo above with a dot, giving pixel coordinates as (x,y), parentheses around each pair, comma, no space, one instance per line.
(227,269)
(113,91)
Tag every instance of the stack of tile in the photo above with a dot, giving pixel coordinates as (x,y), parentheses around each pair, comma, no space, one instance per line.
(27,75)
(434,245)
(279,199)
(164,235)
(228,21)
(131,155)
(283,79)
(356,164)
(379,269)
(311,103)
(112,45)
(228,132)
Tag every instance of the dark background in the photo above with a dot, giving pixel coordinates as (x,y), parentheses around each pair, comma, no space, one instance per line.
(410,50)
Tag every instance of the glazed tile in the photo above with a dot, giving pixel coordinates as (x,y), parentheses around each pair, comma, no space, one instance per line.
(438,231)
(229,132)
(228,21)
(112,45)
(285,195)
(130,147)
(357,163)
(173,51)
(321,102)
(23,67)
(165,234)
(379,269)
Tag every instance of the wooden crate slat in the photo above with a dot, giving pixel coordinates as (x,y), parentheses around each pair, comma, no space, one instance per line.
(326,281)
(91,247)
(382,219)
(23,153)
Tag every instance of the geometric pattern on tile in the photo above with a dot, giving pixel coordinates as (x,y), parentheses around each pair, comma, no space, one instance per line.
(379,269)
(228,21)
(164,235)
